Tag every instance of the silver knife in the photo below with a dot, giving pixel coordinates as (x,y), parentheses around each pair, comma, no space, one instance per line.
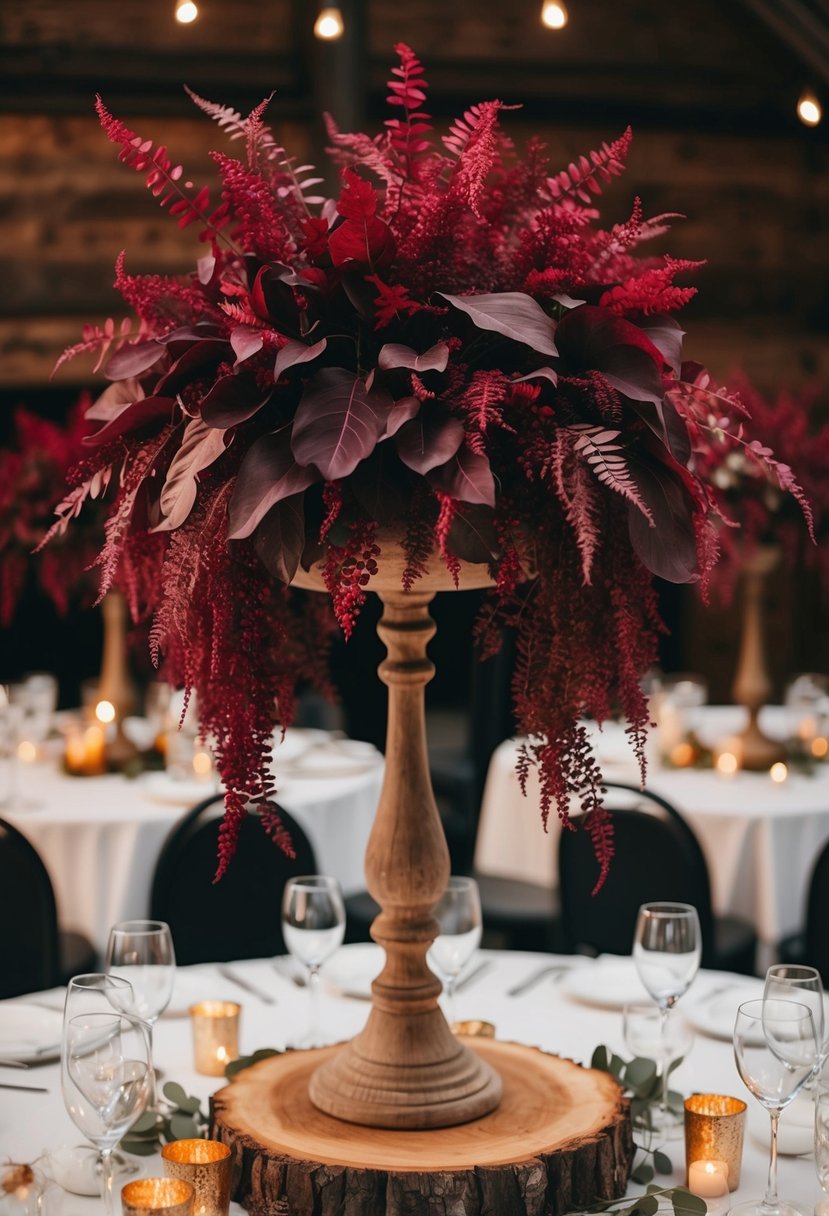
(35,1089)
(535,977)
(5,1062)
(228,974)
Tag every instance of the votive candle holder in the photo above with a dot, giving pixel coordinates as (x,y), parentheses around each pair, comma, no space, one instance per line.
(714,1127)
(157,1197)
(205,1164)
(215,1035)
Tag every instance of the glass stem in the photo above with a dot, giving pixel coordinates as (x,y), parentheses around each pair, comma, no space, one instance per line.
(450,999)
(106,1181)
(153,1079)
(770,1199)
(313,1005)
(666,1071)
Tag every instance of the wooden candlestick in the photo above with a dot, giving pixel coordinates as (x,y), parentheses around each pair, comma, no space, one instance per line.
(115,684)
(752,683)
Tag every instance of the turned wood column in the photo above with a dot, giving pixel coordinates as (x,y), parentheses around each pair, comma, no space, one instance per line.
(406,1069)
(752,683)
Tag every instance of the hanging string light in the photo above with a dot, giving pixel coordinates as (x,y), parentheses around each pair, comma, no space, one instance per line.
(186,12)
(554,15)
(329,25)
(809,109)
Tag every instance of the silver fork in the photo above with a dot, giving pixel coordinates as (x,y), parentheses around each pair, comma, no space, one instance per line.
(535,977)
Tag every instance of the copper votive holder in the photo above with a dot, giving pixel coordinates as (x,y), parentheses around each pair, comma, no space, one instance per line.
(474,1028)
(714,1127)
(215,1035)
(157,1197)
(205,1164)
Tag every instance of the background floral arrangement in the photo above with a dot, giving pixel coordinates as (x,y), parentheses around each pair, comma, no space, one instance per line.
(34,465)
(453,346)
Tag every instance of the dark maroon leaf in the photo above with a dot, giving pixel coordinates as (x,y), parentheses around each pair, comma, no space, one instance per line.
(394,355)
(472,536)
(402,410)
(199,446)
(666,335)
(429,440)
(234,399)
(115,398)
(511,313)
(134,418)
(133,360)
(338,422)
(194,360)
(280,538)
(273,300)
(293,353)
(591,338)
(540,373)
(668,548)
(186,335)
(267,475)
(381,485)
(246,341)
(467,477)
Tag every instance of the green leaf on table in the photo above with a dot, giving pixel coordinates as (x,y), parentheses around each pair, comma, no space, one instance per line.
(662,1162)
(262,1053)
(174,1093)
(686,1204)
(675,1064)
(640,1075)
(139,1146)
(190,1105)
(145,1123)
(183,1127)
(643,1173)
(647,1205)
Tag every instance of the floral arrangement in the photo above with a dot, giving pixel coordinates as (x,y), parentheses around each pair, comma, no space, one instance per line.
(452,346)
(758,501)
(33,469)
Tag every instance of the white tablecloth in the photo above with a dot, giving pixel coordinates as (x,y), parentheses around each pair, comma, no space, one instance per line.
(760,839)
(100,837)
(32,1123)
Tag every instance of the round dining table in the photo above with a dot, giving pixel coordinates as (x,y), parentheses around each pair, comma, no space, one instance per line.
(100,837)
(760,837)
(560,1004)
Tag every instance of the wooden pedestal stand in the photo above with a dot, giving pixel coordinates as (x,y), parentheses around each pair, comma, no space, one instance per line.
(752,684)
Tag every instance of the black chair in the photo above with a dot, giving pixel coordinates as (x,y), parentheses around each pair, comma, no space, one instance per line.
(34,953)
(240,916)
(657,857)
(812,945)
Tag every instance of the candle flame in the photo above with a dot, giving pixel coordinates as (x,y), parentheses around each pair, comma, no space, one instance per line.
(778,772)
(105,711)
(727,763)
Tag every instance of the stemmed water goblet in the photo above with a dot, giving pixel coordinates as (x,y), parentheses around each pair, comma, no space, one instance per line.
(775,1049)
(141,952)
(795,982)
(313,926)
(458,914)
(106,1079)
(648,1036)
(667,948)
(822,1145)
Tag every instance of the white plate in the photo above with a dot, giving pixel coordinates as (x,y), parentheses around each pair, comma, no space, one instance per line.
(29,1033)
(611,983)
(713,1007)
(169,791)
(353,967)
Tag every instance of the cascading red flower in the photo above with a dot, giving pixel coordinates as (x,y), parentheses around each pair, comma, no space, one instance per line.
(453,345)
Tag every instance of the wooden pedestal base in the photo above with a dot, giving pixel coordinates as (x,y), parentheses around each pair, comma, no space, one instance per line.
(560,1140)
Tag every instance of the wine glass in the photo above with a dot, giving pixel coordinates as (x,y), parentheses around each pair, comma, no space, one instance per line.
(648,1036)
(794,982)
(667,948)
(458,914)
(775,1049)
(141,952)
(106,1079)
(313,926)
(822,1141)
(97,992)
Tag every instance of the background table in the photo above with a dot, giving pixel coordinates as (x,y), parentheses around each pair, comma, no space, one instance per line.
(31,1124)
(100,837)
(760,839)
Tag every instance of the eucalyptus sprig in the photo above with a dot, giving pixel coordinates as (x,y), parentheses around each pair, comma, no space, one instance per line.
(641,1081)
(178,1116)
(677,1199)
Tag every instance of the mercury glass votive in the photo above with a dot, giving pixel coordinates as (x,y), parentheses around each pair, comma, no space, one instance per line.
(157,1197)
(215,1035)
(205,1164)
(714,1126)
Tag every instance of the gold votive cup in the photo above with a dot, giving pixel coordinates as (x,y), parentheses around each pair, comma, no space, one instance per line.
(205,1164)
(474,1028)
(215,1035)
(714,1127)
(157,1197)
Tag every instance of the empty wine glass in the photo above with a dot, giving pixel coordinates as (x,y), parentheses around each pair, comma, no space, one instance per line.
(458,914)
(822,1143)
(775,1049)
(667,948)
(649,1035)
(141,952)
(794,982)
(106,1080)
(313,926)
(97,992)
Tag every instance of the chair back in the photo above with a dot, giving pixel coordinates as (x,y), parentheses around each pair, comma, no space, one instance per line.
(657,857)
(240,916)
(29,941)
(817,916)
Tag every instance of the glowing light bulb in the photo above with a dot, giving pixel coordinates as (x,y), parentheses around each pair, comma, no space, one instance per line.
(186,12)
(105,711)
(727,764)
(778,772)
(329,25)
(809,109)
(554,15)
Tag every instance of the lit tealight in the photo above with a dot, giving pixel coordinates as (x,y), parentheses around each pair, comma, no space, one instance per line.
(727,764)
(809,109)
(819,747)
(186,12)
(778,772)
(554,14)
(105,711)
(329,25)
(26,751)
(683,755)
(202,764)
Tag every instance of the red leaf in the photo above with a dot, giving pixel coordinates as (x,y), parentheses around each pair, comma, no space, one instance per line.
(195,358)
(472,536)
(590,337)
(134,417)
(666,335)
(132,360)
(234,399)
(366,242)
(394,355)
(200,445)
(667,549)
(114,399)
(338,422)
(511,313)
(358,199)
(429,440)
(246,342)
(268,474)
(402,411)
(467,477)
(293,353)
(280,538)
